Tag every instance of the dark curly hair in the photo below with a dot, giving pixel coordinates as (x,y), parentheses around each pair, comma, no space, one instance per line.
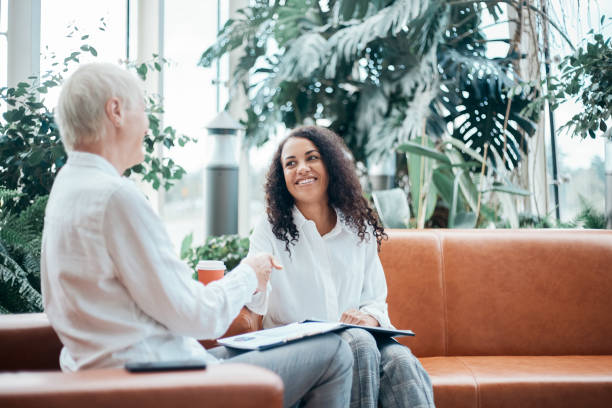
(344,190)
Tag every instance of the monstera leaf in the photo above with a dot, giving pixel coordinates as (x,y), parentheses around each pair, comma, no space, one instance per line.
(475,94)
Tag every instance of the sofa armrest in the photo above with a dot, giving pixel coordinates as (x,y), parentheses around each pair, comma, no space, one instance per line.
(246,321)
(220,385)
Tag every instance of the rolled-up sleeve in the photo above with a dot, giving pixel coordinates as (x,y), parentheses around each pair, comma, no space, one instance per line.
(374,293)
(159,282)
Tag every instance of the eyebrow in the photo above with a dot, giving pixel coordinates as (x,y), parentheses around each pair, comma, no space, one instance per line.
(305,154)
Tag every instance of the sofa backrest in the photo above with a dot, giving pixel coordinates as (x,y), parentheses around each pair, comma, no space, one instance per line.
(28,342)
(501,292)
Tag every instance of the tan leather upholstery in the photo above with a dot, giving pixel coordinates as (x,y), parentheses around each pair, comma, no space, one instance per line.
(227,385)
(245,322)
(511,318)
(503,318)
(28,345)
(27,342)
(413,268)
(508,292)
(521,381)
(516,318)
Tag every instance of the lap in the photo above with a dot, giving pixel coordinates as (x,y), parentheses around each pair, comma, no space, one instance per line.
(311,352)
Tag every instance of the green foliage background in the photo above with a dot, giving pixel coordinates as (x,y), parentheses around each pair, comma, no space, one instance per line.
(31,154)
(230,249)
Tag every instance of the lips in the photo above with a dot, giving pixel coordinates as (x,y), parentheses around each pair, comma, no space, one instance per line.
(306,181)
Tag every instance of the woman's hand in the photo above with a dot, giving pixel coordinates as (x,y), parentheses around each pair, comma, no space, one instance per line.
(262,264)
(354,316)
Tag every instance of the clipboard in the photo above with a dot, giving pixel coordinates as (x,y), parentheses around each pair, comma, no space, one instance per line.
(278,336)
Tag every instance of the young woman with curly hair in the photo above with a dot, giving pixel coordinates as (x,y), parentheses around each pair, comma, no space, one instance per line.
(327,237)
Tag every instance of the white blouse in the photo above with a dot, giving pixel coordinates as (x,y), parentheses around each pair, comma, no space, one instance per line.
(323,277)
(113,288)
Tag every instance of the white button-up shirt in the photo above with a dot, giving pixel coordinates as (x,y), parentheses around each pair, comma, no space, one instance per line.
(323,277)
(113,288)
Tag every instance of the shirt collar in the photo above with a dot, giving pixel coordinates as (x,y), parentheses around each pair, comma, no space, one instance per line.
(299,220)
(84,159)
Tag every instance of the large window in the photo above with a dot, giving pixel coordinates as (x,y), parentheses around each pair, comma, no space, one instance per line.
(190,101)
(580,166)
(65,22)
(3,42)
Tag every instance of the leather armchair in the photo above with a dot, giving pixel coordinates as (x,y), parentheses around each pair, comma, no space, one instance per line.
(30,377)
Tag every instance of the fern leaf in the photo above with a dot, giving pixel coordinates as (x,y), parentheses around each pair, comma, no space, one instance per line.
(16,293)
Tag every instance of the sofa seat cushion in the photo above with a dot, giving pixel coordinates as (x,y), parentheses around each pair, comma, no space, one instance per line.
(521,381)
(220,385)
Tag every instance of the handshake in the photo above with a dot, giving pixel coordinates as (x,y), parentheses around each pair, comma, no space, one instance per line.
(262,264)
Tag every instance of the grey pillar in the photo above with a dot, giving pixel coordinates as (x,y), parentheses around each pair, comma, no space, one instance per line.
(222,199)
(382,172)
(222,177)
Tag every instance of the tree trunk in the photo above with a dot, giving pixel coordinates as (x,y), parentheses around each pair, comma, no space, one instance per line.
(532,169)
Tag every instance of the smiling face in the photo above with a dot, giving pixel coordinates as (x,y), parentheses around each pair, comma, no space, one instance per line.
(305,173)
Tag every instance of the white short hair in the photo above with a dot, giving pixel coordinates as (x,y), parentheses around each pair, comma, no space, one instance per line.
(80,111)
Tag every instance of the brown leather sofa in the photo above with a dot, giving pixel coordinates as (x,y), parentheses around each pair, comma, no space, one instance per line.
(503,318)
(506,318)
(30,377)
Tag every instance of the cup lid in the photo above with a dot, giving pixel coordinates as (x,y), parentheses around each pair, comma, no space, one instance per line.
(208,264)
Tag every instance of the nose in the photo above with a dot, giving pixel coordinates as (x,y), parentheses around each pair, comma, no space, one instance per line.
(303,167)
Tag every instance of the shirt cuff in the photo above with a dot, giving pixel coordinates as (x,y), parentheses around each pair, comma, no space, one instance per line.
(379,315)
(259,302)
(243,276)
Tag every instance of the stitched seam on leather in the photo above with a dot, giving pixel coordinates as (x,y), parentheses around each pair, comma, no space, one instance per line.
(444,302)
(474,379)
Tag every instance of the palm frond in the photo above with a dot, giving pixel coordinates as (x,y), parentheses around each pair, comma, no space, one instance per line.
(402,17)
(475,94)
(256,23)
(303,56)
(408,102)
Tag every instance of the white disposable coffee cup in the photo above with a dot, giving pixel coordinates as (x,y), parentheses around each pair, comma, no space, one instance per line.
(209,271)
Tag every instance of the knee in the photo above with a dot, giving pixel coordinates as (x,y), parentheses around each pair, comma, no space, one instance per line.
(361,341)
(335,350)
(344,355)
(397,356)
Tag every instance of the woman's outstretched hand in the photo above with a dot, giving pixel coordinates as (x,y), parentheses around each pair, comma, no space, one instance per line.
(262,264)
(354,316)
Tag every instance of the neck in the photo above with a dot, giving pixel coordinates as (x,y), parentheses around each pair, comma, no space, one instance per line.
(111,154)
(109,148)
(321,213)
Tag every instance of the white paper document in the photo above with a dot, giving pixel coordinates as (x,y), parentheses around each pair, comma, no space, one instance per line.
(277,336)
(263,339)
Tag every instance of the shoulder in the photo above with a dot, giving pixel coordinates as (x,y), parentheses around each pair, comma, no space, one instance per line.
(262,229)
(124,197)
(351,232)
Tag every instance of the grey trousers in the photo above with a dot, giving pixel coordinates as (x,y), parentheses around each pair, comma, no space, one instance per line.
(316,372)
(386,372)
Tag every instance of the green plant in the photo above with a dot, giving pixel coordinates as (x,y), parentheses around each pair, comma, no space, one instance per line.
(383,74)
(20,239)
(588,217)
(470,188)
(231,249)
(585,76)
(31,151)
(380,72)
(31,154)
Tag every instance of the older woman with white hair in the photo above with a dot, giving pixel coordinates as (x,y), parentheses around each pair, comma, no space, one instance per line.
(113,288)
